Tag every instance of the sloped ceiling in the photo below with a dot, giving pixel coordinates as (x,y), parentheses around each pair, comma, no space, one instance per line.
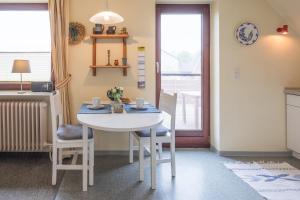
(289,10)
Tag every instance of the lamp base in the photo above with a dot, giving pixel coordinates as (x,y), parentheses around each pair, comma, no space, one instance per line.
(21,92)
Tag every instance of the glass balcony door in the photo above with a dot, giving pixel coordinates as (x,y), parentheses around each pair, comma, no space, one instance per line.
(182,68)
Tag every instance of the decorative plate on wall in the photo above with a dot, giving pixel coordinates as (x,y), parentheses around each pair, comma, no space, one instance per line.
(76,32)
(247,33)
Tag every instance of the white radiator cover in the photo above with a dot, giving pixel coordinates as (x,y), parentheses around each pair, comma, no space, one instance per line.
(23,125)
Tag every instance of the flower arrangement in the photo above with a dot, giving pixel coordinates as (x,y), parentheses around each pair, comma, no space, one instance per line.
(115,94)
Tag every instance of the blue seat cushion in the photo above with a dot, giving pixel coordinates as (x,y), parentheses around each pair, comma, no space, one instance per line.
(72,132)
(160,131)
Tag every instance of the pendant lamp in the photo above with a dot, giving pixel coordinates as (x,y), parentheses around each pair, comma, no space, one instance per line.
(106,17)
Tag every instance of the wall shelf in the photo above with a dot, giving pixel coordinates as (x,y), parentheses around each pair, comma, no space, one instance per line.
(96,37)
(112,36)
(122,67)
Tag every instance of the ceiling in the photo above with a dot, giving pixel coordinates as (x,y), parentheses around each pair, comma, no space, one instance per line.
(289,10)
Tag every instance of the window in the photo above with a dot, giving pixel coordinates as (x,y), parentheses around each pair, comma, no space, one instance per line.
(25,34)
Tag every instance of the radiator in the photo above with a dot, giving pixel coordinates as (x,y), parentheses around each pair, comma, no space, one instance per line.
(23,125)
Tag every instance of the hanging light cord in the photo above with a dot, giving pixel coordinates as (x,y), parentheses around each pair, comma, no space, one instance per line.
(107,5)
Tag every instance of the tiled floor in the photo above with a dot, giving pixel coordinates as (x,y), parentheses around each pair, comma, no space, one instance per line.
(201,175)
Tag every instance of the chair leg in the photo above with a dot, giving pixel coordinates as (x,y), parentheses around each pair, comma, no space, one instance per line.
(159,150)
(173,158)
(60,155)
(54,165)
(91,163)
(130,147)
(141,159)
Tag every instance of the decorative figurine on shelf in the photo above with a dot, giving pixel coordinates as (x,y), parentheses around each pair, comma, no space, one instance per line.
(108,58)
(98,29)
(116,63)
(123,31)
(124,61)
(111,30)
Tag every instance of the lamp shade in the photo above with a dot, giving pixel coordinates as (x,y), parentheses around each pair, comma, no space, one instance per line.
(21,66)
(106,17)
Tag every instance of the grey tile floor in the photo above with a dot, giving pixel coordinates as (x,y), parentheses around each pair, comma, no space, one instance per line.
(201,175)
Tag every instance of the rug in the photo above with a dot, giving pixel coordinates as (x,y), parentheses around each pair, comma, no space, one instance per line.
(273,181)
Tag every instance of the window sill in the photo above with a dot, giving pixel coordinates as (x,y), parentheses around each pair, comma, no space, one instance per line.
(14,86)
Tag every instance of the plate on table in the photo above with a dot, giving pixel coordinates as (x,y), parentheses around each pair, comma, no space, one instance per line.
(92,107)
(136,108)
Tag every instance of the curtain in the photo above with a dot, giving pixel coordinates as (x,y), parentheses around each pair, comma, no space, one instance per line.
(59,22)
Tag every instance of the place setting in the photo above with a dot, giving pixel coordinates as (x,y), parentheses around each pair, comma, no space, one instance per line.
(141,107)
(95,107)
(118,104)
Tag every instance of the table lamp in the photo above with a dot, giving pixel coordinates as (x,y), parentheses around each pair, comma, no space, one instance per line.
(21,66)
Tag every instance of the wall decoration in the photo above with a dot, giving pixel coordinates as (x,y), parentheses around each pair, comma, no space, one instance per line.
(111,30)
(141,67)
(76,32)
(98,29)
(123,30)
(124,61)
(116,62)
(247,33)
(108,58)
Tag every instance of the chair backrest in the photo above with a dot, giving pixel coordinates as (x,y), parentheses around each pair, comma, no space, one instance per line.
(56,113)
(167,103)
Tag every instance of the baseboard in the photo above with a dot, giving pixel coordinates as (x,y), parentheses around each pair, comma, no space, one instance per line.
(213,149)
(255,154)
(126,153)
(111,153)
(118,153)
(296,155)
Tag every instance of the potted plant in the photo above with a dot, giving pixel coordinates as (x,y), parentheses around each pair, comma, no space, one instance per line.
(115,94)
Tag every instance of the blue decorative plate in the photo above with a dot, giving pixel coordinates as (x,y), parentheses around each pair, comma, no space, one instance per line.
(247,33)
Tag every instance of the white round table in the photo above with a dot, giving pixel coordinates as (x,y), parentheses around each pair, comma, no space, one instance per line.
(124,122)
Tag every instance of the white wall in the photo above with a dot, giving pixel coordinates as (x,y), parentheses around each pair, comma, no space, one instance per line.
(252,111)
(215,75)
(247,114)
(139,18)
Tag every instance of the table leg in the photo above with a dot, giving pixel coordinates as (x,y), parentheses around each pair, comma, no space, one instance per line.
(85,158)
(153,158)
(91,163)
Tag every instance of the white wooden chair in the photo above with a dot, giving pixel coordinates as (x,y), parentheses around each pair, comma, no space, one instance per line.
(167,104)
(67,139)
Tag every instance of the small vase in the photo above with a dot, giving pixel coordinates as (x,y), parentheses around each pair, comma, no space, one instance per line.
(117,107)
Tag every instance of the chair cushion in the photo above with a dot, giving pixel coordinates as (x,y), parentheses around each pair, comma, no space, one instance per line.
(72,132)
(160,131)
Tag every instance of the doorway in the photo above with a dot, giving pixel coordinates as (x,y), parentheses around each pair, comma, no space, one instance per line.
(182,66)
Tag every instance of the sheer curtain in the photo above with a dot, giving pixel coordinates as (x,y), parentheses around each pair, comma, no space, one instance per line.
(59,23)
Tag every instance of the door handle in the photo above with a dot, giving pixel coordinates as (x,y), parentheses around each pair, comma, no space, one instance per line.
(157,68)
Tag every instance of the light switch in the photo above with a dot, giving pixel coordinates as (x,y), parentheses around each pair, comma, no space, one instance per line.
(236,73)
